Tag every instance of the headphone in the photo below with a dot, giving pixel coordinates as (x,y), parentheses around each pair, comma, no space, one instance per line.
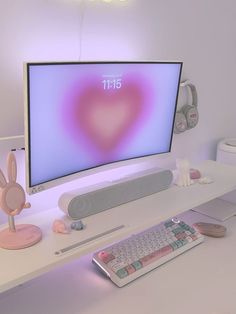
(187,117)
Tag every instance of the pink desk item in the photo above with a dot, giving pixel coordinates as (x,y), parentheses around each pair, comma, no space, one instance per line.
(59,226)
(12,202)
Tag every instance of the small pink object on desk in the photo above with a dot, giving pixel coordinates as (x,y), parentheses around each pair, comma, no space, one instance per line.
(59,226)
(194,174)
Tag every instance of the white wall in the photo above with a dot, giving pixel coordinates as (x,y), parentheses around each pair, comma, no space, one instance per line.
(200,33)
(31,31)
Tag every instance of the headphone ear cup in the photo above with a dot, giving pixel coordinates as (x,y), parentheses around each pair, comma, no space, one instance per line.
(180,124)
(191,115)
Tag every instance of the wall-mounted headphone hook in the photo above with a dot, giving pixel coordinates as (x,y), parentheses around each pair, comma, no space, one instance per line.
(185,83)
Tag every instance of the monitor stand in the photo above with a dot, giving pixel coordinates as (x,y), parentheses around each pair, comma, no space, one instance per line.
(218,209)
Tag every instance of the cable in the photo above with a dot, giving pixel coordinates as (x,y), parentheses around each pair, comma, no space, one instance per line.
(81,24)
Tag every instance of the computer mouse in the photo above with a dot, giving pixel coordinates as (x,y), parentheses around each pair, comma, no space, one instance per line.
(210,229)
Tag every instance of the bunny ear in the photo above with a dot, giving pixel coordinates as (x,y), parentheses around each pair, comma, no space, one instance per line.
(3,181)
(11,167)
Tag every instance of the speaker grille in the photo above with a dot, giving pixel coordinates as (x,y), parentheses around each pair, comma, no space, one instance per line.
(96,201)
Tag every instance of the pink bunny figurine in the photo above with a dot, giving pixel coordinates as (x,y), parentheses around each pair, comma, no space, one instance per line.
(12,195)
(12,201)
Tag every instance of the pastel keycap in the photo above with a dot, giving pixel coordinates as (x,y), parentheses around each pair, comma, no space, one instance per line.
(105,256)
(122,273)
(137,265)
(130,269)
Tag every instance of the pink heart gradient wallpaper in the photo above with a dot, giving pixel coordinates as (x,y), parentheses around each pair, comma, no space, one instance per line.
(106,120)
(82,115)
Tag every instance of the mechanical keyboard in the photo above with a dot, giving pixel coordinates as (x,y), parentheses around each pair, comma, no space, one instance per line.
(138,254)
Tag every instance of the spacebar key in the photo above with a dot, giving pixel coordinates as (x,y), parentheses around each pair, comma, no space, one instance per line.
(148,259)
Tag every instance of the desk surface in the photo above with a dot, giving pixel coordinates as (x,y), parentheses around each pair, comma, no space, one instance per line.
(202,280)
(20,266)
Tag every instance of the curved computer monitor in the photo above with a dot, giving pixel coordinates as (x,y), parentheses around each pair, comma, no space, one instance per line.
(83,115)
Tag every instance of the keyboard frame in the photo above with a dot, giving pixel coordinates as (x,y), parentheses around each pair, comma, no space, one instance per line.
(120,282)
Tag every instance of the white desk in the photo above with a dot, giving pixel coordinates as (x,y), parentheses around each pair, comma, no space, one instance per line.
(202,280)
(21,266)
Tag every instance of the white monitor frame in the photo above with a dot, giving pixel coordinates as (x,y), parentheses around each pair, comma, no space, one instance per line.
(87,172)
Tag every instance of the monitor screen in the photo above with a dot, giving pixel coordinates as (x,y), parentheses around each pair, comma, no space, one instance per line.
(81,115)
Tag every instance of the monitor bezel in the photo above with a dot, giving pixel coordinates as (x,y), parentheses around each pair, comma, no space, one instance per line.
(32,189)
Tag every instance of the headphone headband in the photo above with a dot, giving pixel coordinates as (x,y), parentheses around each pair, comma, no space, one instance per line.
(193,90)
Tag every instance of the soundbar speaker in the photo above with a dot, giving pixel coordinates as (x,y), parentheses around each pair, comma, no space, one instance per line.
(91,200)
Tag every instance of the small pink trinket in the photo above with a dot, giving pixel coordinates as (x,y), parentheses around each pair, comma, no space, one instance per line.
(59,226)
(195,174)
